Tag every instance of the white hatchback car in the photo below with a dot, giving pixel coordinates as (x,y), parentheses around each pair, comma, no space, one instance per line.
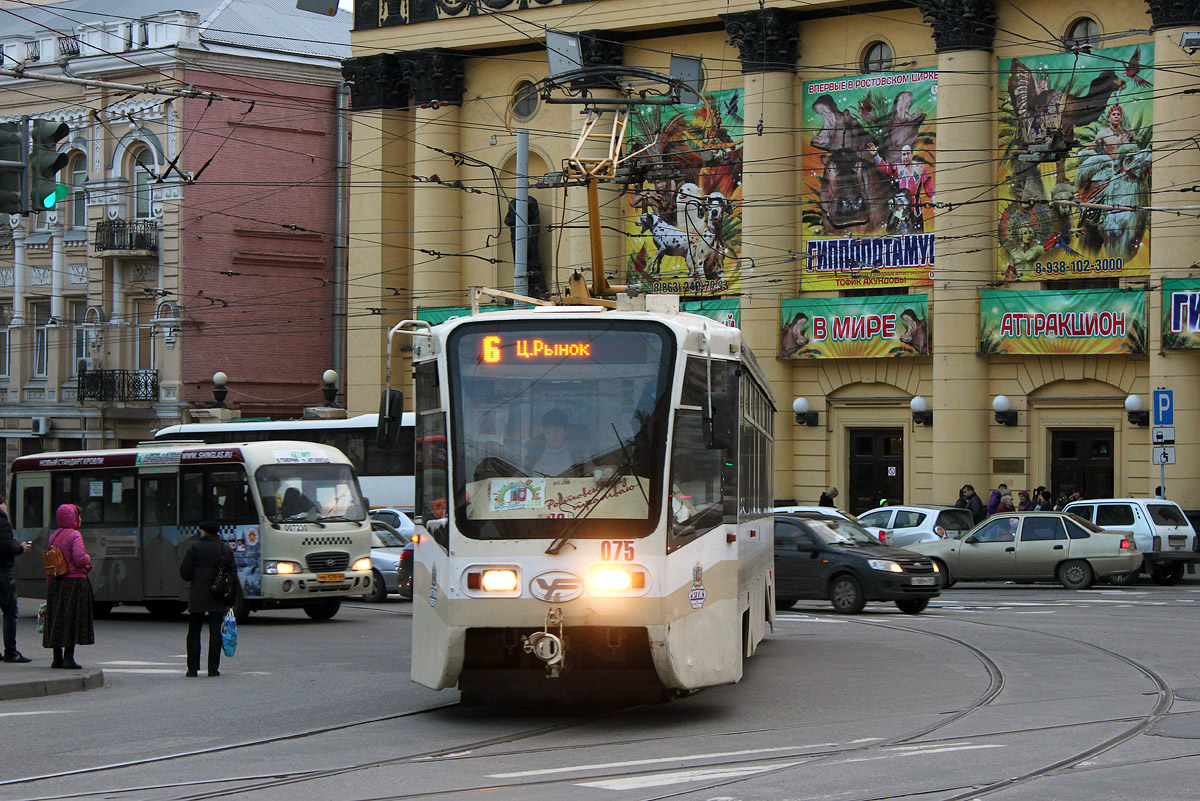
(824,510)
(1160,528)
(902,526)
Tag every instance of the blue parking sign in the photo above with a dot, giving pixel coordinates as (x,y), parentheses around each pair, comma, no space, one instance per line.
(1164,407)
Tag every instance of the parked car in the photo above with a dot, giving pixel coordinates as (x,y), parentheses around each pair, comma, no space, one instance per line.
(396,518)
(1034,546)
(387,549)
(820,510)
(1160,527)
(824,557)
(909,525)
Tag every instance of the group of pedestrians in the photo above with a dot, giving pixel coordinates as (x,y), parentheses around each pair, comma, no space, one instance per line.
(68,618)
(1002,502)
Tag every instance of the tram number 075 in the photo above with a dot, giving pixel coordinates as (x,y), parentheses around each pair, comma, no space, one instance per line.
(616,550)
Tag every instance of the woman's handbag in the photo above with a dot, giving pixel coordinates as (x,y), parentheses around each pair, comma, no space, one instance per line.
(229,633)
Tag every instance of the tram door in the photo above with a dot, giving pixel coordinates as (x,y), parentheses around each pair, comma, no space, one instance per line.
(876,467)
(1082,459)
(160,536)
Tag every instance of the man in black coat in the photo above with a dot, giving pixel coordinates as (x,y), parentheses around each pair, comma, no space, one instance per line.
(200,565)
(9,550)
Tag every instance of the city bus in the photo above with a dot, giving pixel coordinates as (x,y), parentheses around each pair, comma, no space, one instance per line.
(593,501)
(385,476)
(291,511)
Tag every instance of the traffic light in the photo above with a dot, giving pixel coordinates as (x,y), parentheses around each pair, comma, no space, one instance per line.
(12,166)
(44,163)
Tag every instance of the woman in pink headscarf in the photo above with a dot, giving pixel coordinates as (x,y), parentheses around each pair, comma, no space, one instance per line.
(69,597)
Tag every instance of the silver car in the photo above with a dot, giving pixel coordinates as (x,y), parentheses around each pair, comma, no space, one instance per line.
(902,526)
(387,548)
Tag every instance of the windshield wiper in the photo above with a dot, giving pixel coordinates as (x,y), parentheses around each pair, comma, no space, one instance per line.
(302,517)
(336,519)
(625,465)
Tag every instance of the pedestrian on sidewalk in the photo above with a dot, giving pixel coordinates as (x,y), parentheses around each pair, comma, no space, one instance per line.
(827,497)
(69,597)
(200,566)
(971,502)
(9,550)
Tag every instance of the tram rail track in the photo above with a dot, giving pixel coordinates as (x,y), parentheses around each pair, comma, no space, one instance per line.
(481,749)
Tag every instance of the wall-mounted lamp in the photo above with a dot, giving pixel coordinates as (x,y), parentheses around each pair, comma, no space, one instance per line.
(803,416)
(1133,409)
(920,409)
(1001,405)
(219,390)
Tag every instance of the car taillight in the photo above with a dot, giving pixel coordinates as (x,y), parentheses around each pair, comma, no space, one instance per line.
(1125,545)
(405,556)
(883,536)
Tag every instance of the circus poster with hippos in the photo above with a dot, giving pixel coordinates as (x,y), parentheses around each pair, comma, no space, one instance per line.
(868,194)
(1075,164)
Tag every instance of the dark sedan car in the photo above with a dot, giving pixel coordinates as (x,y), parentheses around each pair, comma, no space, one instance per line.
(826,558)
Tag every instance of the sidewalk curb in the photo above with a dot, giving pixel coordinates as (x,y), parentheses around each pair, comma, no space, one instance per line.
(39,686)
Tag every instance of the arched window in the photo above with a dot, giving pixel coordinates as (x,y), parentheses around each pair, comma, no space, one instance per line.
(78,205)
(143,171)
(1084,32)
(877,58)
(525,101)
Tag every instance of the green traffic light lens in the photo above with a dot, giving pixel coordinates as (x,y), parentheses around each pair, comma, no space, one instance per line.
(60,193)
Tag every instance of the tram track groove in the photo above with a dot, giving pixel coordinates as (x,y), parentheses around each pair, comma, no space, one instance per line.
(455,752)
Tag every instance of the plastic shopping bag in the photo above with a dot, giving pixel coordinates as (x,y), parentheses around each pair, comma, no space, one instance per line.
(229,633)
(41,626)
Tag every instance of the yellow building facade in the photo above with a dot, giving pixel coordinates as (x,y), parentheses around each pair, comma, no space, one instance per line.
(984,206)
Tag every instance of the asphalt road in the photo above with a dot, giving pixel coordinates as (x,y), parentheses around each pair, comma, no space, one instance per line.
(997,691)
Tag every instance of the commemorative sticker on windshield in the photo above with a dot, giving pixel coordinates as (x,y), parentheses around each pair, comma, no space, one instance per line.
(524,493)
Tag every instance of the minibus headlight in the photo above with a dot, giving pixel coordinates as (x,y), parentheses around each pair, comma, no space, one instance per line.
(273,568)
(362,564)
(611,579)
(499,580)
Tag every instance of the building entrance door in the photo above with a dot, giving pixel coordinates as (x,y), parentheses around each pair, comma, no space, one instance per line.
(876,467)
(1082,459)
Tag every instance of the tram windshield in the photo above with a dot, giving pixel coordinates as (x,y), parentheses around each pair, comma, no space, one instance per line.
(309,493)
(559,427)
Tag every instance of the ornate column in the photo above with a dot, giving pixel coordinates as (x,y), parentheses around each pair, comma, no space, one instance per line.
(962,31)
(436,79)
(380,236)
(768,45)
(1174,245)
(20,268)
(597,49)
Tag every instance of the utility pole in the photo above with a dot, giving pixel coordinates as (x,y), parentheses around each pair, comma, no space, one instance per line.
(521,230)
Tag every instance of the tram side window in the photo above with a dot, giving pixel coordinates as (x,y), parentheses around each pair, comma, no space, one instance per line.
(33,514)
(699,475)
(432,487)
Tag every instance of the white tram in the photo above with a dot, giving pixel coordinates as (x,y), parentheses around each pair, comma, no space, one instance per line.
(594,488)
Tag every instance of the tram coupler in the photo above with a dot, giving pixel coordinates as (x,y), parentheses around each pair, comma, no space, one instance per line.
(548,647)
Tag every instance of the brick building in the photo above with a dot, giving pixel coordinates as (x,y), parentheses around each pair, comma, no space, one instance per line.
(200,231)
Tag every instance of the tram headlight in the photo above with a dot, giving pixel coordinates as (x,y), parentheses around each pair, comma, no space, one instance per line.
(361,564)
(499,580)
(280,568)
(886,565)
(611,579)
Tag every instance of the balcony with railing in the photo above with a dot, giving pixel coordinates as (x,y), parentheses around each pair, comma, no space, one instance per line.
(117,386)
(132,237)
